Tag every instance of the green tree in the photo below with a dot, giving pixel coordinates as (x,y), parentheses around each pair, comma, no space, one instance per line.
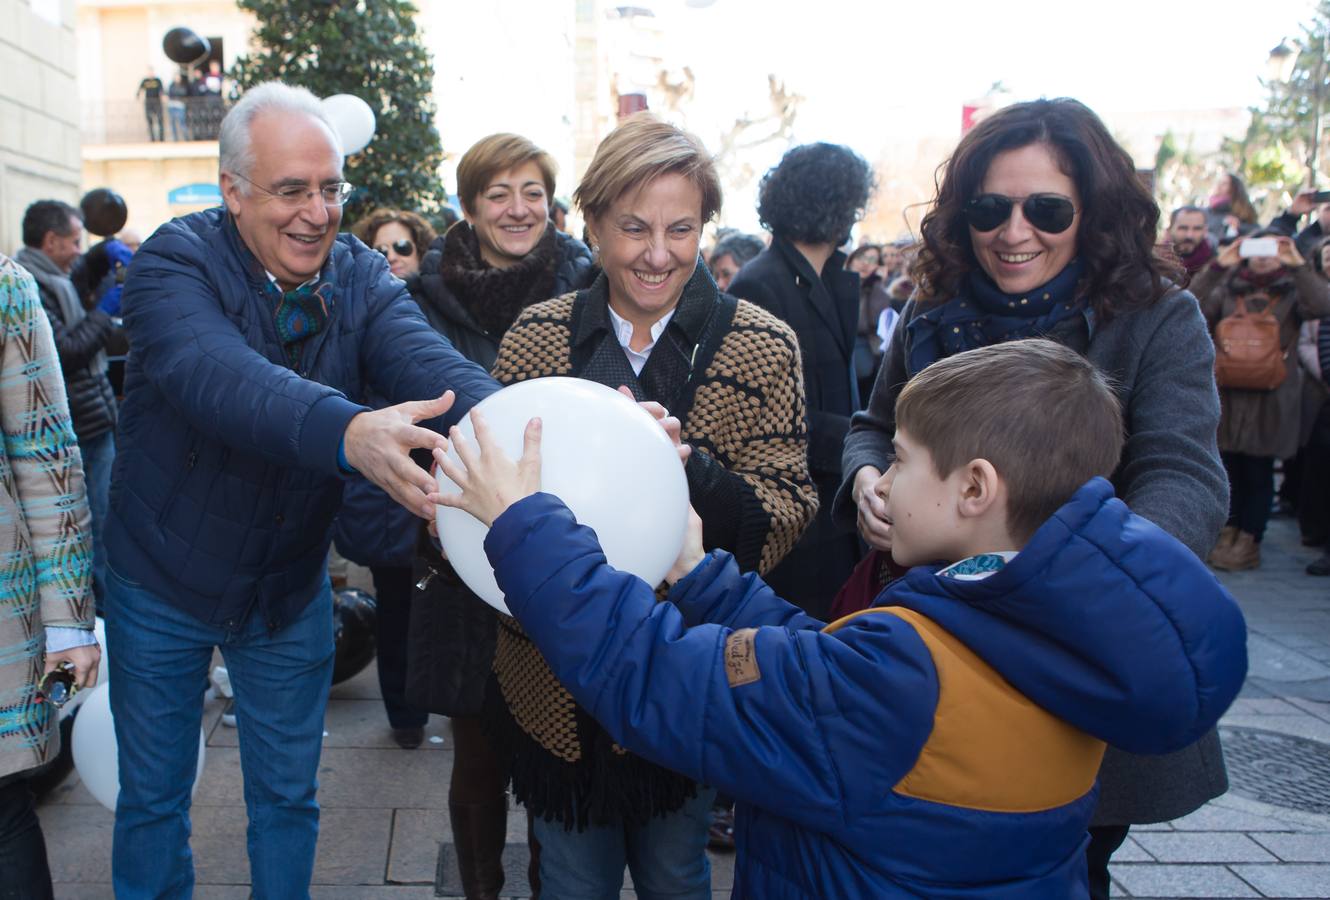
(369,48)
(1294,112)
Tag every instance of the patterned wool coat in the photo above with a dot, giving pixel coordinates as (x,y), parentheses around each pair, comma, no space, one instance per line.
(45,537)
(731,373)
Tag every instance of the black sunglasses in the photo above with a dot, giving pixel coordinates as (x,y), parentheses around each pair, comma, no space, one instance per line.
(401,248)
(1049,213)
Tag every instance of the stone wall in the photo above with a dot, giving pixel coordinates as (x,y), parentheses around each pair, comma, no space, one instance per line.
(39,110)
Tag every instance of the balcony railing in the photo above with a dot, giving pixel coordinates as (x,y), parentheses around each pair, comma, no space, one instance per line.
(141,121)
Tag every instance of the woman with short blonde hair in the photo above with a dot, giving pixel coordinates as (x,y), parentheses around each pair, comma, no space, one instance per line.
(655,322)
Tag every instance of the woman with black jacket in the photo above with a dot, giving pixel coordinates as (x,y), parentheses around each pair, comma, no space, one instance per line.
(809,203)
(504,257)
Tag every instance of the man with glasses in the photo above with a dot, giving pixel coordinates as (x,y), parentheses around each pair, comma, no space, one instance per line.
(255,334)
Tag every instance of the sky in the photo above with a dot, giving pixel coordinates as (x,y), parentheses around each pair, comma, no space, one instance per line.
(887,78)
(864,64)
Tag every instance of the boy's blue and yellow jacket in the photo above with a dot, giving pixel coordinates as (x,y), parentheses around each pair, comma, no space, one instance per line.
(943,744)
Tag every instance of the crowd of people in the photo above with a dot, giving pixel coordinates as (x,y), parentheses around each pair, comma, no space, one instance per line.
(903,457)
(193,101)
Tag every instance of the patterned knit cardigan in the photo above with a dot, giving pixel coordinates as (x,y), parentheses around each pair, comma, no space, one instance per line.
(45,536)
(746,413)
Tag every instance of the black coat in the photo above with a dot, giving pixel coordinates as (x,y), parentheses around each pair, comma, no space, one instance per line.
(450,644)
(824,313)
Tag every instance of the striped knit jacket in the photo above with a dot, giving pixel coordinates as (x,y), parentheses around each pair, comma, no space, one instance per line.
(730,372)
(45,534)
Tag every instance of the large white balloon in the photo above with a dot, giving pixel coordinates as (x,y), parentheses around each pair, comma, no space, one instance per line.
(95,753)
(603,455)
(352,119)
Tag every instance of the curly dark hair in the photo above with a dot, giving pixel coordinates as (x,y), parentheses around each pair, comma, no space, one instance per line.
(816,194)
(422,232)
(1118,220)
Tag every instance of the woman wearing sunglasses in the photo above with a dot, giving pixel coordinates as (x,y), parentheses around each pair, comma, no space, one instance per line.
(1040,227)
(402,237)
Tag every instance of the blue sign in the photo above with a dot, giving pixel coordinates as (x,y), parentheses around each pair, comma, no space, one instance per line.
(195,195)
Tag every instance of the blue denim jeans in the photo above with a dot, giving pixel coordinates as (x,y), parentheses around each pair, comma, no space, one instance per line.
(159,657)
(668,857)
(98,457)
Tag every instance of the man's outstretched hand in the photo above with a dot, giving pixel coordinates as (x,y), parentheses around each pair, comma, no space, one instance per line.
(378,445)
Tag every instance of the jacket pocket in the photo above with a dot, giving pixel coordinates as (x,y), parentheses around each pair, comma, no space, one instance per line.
(191,460)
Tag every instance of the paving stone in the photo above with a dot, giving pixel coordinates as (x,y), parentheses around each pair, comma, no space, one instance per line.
(1271,661)
(1287,880)
(218,840)
(1245,706)
(1157,880)
(353,846)
(358,723)
(1203,846)
(363,892)
(1296,847)
(383,779)
(78,840)
(1213,817)
(414,854)
(1132,851)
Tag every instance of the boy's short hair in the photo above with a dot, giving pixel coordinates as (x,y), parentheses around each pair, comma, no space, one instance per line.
(1042,414)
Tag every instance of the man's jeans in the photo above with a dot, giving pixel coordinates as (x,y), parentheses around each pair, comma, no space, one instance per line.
(98,457)
(159,657)
(667,857)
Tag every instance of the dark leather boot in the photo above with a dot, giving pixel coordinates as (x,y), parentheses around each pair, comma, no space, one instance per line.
(479,833)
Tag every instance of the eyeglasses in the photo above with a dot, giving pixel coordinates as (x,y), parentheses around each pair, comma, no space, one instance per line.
(57,685)
(401,248)
(1049,213)
(294,195)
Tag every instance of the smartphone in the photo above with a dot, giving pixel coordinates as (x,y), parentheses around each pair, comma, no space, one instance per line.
(1262,246)
(1321,197)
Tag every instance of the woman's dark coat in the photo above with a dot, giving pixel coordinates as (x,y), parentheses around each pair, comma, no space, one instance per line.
(824,313)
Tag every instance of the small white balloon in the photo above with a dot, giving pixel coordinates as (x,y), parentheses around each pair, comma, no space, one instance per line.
(94,748)
(603,455)
(352,119)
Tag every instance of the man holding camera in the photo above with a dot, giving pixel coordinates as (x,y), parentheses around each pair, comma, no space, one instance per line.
(52,237)
(1306,202)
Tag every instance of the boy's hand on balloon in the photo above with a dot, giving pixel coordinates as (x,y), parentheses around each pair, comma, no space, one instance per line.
(692,552)
(673,427)
(490,481)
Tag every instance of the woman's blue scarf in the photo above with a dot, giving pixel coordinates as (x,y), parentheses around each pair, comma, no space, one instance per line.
(981,315)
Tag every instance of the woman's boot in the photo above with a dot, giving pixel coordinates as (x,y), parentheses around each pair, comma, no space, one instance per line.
(1223,548)
(1244,554)
(479,833)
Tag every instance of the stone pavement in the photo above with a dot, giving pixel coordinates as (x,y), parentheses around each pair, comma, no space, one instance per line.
(385,809)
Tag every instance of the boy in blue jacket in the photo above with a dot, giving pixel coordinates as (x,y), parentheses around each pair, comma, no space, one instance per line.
(944,743)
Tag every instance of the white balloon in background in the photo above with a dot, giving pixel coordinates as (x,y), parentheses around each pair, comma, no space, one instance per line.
(352,119)
(94,748)
(603,455)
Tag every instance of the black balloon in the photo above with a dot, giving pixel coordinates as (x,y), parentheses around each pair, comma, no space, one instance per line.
(104,211)
(185,46)
(354,630)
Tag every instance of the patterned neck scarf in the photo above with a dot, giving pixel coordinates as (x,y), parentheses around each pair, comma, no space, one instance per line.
(299,314)
(982,315)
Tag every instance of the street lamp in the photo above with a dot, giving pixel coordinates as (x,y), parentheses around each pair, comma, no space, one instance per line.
(1279,65)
